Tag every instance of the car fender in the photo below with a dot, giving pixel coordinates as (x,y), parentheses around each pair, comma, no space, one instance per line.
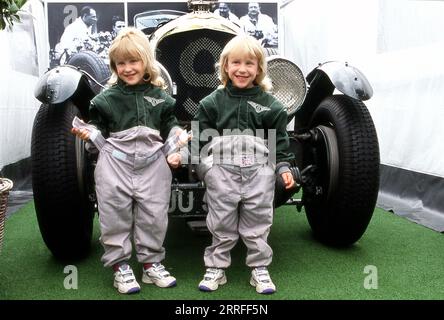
(58,84)
(347,79)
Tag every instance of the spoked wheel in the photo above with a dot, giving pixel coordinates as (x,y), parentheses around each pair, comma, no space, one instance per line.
(341,194)
(61,179)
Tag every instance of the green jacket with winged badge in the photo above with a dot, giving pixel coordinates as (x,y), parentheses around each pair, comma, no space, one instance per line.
(252,108)
(121,107)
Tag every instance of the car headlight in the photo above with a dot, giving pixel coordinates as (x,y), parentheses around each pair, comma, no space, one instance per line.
(166,77)
(289,84)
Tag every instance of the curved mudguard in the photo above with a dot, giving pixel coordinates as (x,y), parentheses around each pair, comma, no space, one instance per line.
(347,79)
(58,84)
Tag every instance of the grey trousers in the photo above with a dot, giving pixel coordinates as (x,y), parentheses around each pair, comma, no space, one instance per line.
(133,206)
(240,203)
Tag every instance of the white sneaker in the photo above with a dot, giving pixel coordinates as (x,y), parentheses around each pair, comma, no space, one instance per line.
(159,276)
(260,278)
(212,279)
(124,280)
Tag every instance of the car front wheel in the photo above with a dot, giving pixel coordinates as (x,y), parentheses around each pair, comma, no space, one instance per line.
(61,183)
(341,195)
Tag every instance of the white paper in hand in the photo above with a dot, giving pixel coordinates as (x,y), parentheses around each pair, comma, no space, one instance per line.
(174,143)
(94,135)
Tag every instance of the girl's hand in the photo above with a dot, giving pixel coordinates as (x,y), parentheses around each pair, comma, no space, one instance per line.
(81,133)
(288,179)
(174,160)
(184,137)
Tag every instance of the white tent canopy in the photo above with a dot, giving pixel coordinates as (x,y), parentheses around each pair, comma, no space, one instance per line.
(23,57)
(399,45)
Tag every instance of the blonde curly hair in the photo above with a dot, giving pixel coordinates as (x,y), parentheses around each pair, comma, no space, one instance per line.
(245,45)
(133,43)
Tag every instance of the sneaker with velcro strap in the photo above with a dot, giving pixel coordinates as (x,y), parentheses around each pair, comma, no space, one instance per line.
(159,276)
(212,279)
(125,281)
(260,279)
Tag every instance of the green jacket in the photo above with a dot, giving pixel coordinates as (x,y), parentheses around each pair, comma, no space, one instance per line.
(234,108)
(121,107)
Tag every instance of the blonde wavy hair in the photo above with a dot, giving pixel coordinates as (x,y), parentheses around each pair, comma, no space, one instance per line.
(132,43)
(245,45)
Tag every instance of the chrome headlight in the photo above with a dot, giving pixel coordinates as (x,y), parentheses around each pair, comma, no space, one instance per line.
(289,84)
(166,77)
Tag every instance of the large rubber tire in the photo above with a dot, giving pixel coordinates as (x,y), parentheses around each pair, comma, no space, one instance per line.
(60,182)
(90,62)
(340,202)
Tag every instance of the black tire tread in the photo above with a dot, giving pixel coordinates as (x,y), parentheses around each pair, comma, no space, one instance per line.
(90,62)
(65,219)
(344,218)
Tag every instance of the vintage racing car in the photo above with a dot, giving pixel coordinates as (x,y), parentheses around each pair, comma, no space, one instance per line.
(333,136)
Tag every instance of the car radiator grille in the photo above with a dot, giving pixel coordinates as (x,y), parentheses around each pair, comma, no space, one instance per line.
(190,59)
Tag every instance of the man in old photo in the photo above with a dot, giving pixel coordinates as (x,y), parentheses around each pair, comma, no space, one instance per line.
(78,32)
(259,25)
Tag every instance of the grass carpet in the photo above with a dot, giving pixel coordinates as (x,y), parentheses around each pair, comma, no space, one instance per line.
(408,258)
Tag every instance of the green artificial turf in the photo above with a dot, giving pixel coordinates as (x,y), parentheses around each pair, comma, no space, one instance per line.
(409,260)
